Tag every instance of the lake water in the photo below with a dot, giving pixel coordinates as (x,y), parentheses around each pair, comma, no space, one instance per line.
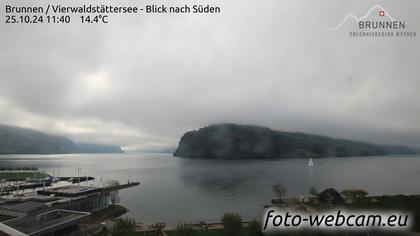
(175,190)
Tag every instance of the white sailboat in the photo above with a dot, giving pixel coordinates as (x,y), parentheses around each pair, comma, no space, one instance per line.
(310,162)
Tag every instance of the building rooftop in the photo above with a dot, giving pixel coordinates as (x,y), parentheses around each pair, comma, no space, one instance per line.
(20,209)
(69,191)
(23,206)
(44,223)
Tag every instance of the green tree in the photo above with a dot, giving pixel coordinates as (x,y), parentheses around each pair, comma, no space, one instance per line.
(232,224)
(331,196)
(255,228)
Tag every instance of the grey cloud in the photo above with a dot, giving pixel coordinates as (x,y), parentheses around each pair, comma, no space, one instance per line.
(272,63)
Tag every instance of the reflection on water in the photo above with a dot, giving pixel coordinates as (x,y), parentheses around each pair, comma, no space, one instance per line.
(214,177)
(174,189)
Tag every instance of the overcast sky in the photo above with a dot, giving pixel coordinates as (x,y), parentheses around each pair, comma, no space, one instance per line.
(142,81)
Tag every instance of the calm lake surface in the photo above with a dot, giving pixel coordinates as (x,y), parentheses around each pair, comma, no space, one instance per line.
(175,190)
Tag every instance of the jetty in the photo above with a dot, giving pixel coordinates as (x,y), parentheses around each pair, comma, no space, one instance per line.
(120,186)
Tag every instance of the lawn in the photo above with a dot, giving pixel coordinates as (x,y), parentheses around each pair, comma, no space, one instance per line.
(210,232)
(22,175)
(404,203)
(219,232)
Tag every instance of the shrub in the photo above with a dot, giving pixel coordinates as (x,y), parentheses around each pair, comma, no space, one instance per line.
(123,226)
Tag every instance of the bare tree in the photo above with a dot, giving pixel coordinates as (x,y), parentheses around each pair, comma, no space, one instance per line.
(204,226)
(158,228)
(115,197)
(114,194)
(313,191)
(280,190)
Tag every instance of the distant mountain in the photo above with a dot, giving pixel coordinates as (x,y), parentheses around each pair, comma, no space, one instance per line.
(231,141)
(97,148)
(14,140)
(168,150)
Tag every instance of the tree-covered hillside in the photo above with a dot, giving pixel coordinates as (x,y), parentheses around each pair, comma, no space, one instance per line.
(231,141)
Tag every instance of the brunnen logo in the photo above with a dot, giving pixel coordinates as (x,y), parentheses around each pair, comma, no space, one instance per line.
(376,23)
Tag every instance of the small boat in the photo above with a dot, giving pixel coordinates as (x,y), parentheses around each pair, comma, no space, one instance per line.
(310,162)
